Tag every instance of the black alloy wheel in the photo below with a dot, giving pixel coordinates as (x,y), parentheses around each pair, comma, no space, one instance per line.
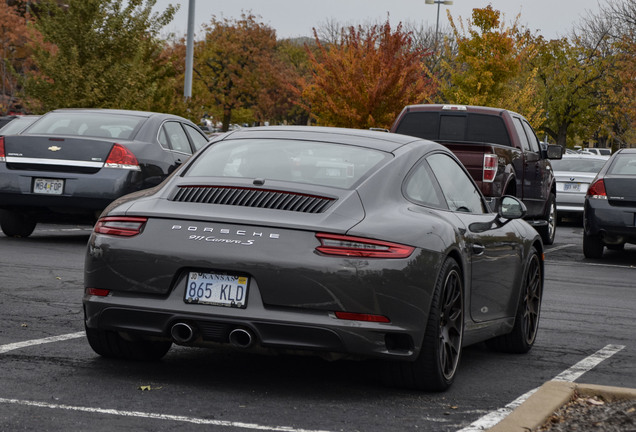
(521,339)
(436,366)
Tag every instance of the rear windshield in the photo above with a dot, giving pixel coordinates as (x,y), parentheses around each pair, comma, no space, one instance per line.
(312,162)
(625,164)
(472,127)
(590,165)
(87,124)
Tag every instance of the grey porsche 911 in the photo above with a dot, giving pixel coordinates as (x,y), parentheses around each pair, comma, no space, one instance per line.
(360,243)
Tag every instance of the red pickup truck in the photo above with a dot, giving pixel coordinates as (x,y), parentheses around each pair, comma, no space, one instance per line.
(500,150)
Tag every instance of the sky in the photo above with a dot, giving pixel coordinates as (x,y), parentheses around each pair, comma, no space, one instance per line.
(294,18)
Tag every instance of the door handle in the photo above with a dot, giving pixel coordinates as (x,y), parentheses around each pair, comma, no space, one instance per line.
(478,249)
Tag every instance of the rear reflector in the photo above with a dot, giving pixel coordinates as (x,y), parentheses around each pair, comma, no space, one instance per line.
(97,292)
(342,245)
(490,167)
(361,317)
(121,226)
(121,157)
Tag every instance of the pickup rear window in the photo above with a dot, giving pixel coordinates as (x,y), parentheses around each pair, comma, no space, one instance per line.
(441,126)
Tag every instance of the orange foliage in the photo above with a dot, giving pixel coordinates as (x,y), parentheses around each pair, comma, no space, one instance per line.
(366,78)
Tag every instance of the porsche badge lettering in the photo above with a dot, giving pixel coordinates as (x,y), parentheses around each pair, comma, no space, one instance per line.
(203,234)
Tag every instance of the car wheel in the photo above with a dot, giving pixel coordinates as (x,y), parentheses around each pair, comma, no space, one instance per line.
(15,224)
(592,246)
(436,365)
(548,232)
(110,344)
(524,331)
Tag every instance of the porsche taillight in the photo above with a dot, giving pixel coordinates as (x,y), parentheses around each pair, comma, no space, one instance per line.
(490,167)
(597,190)
(120,226)
(343,245)
(121,157)
(2,155)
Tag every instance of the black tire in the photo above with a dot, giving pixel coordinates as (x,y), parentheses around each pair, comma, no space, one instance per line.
(524,332)
(548,232)
(592,246)
(436,366)
(15,224)
(110,344)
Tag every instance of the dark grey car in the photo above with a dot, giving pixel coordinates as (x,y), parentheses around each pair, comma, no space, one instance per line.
(359,243)
(610,206)
(71,163)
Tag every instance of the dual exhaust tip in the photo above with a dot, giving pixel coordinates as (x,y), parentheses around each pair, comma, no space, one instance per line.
(184,333)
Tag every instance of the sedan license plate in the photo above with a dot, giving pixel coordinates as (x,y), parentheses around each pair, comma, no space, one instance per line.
(48,186)
(216,289)
(572,187)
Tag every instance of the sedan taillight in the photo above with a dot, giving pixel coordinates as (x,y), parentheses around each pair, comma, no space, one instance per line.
(342,245)
(121,157)
(121,226)
(2,155)
(597,190)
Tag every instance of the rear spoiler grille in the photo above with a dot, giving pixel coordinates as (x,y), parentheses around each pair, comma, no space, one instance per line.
(248,197)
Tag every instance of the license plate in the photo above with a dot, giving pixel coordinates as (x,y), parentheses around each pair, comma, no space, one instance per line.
(48,186)
(216,289)
(572,187)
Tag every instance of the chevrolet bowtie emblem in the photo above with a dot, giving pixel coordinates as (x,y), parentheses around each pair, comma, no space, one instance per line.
(55,148)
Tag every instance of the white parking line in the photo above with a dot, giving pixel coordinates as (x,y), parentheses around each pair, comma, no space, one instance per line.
(556,248)
(568,375)
(156,416)
(18,345)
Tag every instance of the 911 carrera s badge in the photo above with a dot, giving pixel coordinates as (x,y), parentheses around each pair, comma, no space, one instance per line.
(205,235)
(55,148)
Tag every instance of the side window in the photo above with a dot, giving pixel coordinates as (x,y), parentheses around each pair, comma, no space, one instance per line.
(198,139)
(522,134)
(534,141)
(176,137)
(421,188)
(459,191)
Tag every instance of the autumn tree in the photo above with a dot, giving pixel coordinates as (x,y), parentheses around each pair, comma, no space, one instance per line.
(235,68)
(366,77)
(101,53)
(14,37)
(492,65)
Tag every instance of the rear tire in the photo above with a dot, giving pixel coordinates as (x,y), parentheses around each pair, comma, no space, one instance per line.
(548,232)
(16,224)
(524,332)
(436,366)
(592,246)
(110,344)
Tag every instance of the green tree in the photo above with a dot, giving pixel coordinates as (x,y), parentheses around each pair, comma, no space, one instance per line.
(235,69)
(100,53)
(366,77)
(491,66)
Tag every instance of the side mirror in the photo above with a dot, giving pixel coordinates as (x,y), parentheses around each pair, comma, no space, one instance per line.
(554,151)
(511,208)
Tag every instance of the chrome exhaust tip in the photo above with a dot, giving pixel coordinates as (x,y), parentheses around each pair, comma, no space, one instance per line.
(241,338)
(182,332)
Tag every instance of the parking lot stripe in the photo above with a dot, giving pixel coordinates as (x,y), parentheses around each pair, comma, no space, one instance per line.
(568,375)
(139,414)
(18,345)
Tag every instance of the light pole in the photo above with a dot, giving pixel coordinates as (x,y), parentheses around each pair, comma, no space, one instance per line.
(438,3)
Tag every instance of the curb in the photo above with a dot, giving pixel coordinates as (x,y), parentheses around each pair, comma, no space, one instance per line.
(551,396)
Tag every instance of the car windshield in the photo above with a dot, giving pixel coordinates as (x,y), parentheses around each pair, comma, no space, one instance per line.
(625,164)
(94,124)
(319,163)
(590,165)
(18,125)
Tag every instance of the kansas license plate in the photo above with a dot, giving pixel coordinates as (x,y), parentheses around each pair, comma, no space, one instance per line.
(48,186)
(216,289)
(572,187)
